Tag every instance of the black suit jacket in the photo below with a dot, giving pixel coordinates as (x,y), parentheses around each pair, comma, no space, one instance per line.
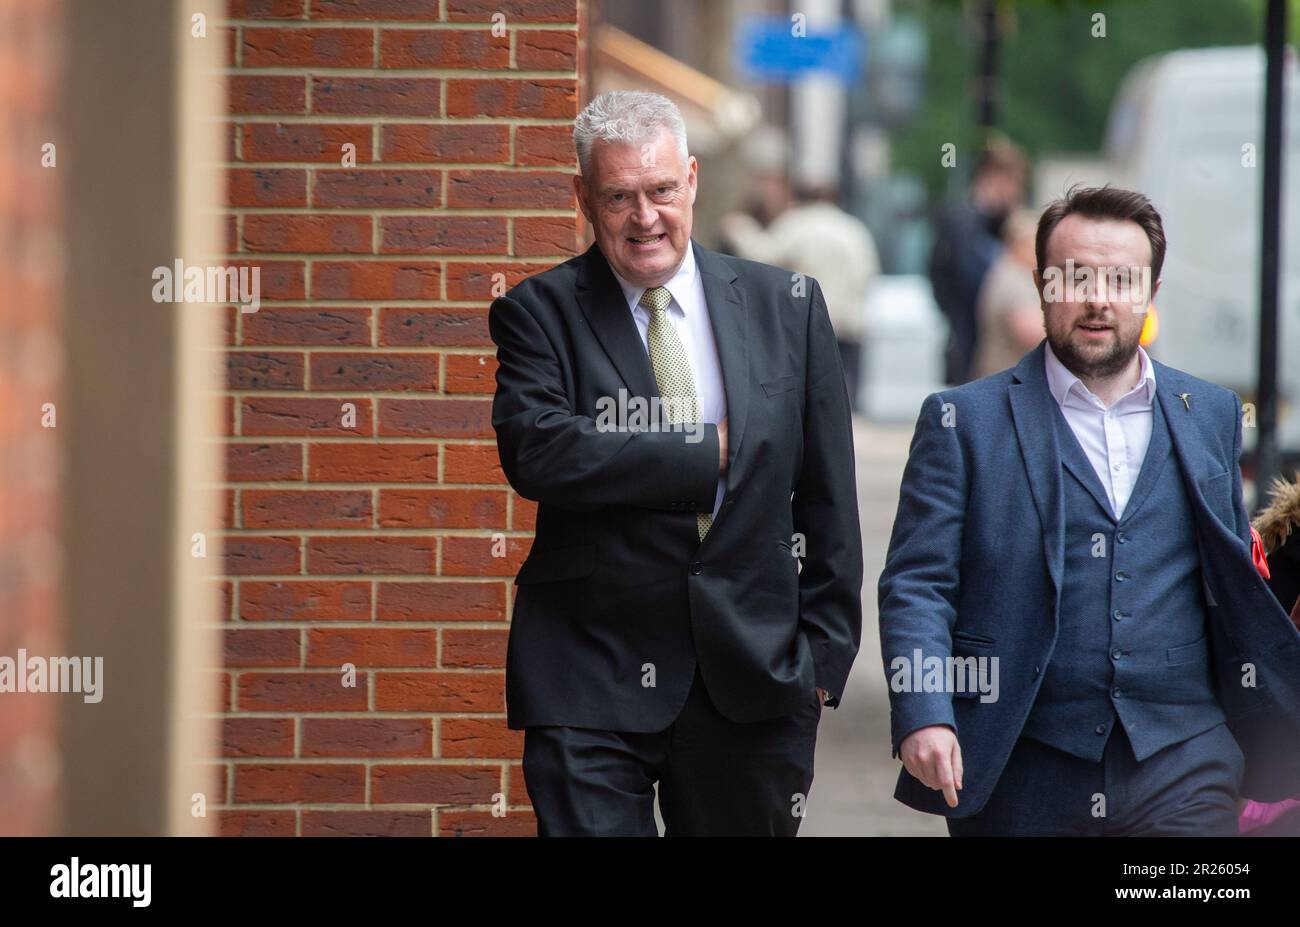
(619,599)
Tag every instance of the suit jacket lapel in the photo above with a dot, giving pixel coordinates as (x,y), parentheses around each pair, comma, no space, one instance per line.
(1189,446)
(602,303)
(1075,459)
(730,331)
(1032,408)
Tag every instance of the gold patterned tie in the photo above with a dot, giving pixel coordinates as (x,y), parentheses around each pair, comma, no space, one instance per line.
(672,370)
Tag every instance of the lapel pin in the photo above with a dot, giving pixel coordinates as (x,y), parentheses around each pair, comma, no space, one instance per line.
(1186,397)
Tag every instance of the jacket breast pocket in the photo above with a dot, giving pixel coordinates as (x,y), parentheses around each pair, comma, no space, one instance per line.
(1217,490)
(557,563)
(781,384)
(971,640)
(1195,652)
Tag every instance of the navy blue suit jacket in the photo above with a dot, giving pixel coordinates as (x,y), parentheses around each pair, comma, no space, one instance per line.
(975,562)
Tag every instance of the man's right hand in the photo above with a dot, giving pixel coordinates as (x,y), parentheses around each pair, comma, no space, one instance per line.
(722,446)
(932,755)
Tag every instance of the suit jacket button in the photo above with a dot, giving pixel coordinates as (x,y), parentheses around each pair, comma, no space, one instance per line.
(697,568)
(1101,728)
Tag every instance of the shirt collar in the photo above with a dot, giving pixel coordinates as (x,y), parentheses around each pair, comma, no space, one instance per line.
(678,285)
(1061,381)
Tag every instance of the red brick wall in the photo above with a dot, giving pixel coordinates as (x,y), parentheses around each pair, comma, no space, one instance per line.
(31,323)
(372,543)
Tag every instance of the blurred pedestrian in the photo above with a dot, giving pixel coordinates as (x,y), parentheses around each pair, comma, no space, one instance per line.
(967,243)
(1009,316)
(765,165)
(818,239)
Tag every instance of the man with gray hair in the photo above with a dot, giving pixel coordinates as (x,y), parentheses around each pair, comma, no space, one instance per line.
(693,594)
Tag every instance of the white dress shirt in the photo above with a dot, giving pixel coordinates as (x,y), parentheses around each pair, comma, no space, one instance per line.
(1114,438)
(689,315)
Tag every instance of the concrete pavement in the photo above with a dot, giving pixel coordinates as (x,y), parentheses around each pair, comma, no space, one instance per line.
(853,784)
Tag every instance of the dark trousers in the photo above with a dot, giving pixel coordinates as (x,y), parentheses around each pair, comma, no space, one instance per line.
(716,777)
(1188,789)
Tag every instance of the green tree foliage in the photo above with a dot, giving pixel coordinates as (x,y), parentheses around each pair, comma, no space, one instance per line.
(1058,80)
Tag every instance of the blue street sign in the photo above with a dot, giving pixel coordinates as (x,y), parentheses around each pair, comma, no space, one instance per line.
(767,50)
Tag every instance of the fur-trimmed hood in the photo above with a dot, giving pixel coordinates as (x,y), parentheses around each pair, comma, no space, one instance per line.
(1282,516)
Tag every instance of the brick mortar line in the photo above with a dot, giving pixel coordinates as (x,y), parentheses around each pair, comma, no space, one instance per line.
(314,624)
(366,532)
(355,806)
(368,670)
(407,25)
(296,392)
(508,212)
(351,257)
(357,302)
(379,167)
(326,72)
(361,484)
(363,577)
(341,438)
(358,715)
(362,760)
(364,438)
(256,258)
(460,351)
(337,439)
(234,119)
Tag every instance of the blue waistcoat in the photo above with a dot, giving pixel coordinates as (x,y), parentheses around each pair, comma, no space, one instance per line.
(1131,647)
